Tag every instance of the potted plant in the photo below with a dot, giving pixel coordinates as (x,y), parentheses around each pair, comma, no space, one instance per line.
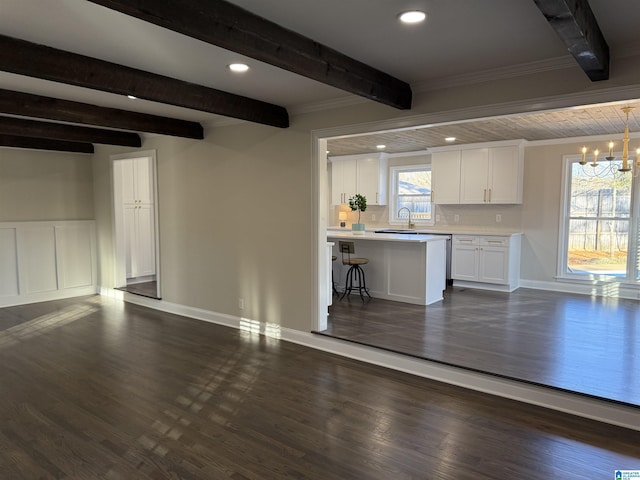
(358,202)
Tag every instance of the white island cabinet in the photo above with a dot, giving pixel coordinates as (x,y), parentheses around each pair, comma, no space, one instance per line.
(403,268)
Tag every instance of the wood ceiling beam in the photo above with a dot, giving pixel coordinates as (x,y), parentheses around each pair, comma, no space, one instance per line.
(72,133)
(16,141)
(37,106)
(226,25)
(40,61)
(576,25)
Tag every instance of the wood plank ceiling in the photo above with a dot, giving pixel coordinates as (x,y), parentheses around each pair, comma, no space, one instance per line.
(225,25)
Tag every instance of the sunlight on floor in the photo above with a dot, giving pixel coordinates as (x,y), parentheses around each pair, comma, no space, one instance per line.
(45,323)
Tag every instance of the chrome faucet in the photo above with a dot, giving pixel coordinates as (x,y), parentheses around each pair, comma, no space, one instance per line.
(410,225)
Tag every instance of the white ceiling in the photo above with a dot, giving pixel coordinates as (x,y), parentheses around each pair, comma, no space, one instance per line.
(460,37)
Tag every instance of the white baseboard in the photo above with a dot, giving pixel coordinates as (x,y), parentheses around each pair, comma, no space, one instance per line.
(566,402)
(605,289)
(13,300)
(494,287)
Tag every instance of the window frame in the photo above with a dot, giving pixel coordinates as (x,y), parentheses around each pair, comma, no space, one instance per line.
(632,272)
(393,195)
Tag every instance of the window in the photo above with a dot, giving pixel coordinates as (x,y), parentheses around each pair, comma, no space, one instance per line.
(411,189)
(599,217)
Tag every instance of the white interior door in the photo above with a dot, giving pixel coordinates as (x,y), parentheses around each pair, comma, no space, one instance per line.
(135,219)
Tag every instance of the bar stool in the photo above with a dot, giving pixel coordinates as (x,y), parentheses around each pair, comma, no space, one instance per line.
(355,272)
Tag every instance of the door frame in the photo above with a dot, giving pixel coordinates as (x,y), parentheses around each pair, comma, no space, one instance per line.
(119,264)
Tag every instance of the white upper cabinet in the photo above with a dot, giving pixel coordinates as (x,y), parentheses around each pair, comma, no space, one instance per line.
(363,174)
(505,175)
(445,177)
(491,174)
(474,165)
(136,180)
(343,181)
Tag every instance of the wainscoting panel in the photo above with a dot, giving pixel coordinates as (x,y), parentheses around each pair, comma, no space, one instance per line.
(37,259)
(42,261)
(8,263)
(75,254)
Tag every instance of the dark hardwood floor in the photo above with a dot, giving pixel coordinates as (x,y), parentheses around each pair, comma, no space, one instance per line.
(589,345)
(93,388)
(145,289)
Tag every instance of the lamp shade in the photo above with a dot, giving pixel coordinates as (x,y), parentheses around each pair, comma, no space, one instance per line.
(342,216)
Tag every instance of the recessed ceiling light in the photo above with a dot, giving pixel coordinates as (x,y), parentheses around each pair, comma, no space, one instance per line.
(381,147)
(131,97)
(238,67)
(412,16)
(450,139)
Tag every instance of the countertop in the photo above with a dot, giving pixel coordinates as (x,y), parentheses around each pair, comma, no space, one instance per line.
(384,237)
(446,230)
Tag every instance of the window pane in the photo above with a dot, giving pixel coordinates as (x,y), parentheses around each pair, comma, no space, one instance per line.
(599,219)
(414,183)
(605,196)
(420,206)
(414,192)
(598,247)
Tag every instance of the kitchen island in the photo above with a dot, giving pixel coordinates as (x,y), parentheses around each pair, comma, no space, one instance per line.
(403,268)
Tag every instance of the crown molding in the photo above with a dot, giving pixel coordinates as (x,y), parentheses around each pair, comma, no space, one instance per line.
(500,73)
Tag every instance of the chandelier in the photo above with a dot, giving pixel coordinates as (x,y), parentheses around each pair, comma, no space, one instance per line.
(611,169)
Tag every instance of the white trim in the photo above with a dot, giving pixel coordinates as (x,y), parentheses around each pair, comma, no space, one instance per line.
(393,195)
(470,146)
(588,139)
(120,276)
(609,281)
(563,221)
(566,402)
(463,115)
(598,289)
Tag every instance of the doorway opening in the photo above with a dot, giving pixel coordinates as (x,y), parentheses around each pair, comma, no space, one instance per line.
(136,223)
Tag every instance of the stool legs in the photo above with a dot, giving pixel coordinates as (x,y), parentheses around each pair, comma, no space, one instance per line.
(357,272)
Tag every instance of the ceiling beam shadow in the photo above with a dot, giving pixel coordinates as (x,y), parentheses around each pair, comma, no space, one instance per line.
(576,25)
(59,131)
(16,141)
(40,61)
(37,106)
(228,26)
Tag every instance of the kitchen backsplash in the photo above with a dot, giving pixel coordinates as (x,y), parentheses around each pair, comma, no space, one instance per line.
(485,216)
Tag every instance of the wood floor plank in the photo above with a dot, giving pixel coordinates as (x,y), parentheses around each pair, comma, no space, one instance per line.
(102,390)
(548,338)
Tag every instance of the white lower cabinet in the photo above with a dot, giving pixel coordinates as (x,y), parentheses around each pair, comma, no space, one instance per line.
(486,261)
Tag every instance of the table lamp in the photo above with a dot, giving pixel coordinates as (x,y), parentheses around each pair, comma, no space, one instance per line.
(342,216)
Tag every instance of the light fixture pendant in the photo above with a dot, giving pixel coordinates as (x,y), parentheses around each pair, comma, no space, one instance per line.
(625,166)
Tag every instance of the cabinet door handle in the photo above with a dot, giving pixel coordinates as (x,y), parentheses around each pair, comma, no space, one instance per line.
(377,199)
(485,196)
(489,195)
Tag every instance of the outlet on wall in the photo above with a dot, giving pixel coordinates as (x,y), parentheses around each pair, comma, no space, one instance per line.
(241,303)
(456,218)
(373,218)
(498,218)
